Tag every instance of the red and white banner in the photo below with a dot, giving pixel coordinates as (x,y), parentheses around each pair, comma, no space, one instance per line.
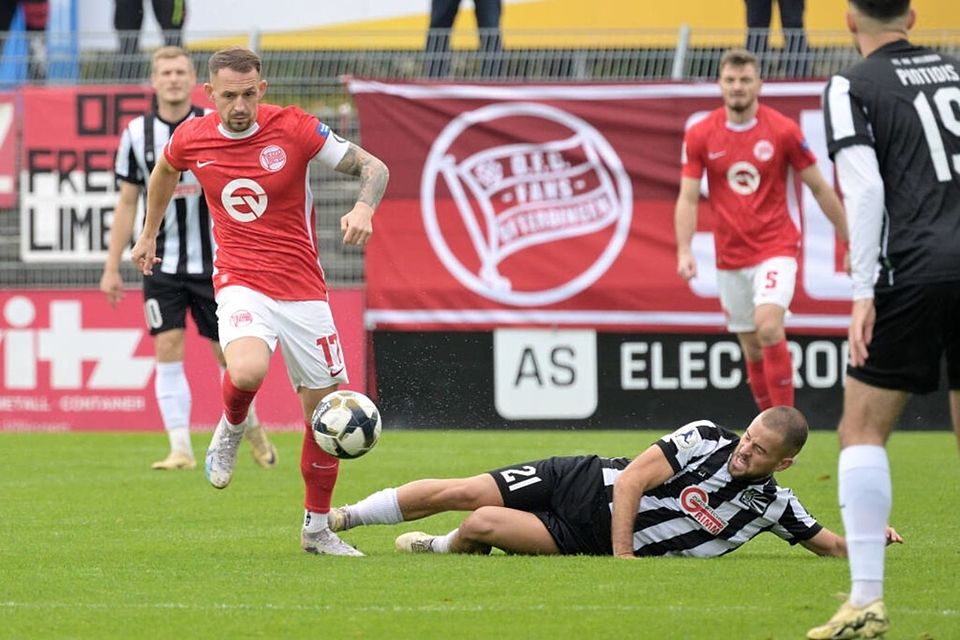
(67,186)
(8,150)
(69,361)
(552,205)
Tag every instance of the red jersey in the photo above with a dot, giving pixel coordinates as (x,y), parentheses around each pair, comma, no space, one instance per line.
(747,171)
(257,186)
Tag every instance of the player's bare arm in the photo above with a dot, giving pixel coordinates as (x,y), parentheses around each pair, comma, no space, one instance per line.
(163,182)
(826,196)
(111,282)
(685,220)
(648,470)
(357,225)
(828,543)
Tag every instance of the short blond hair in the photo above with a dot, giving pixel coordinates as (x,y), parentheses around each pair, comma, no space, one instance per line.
(738,58)
(239,59)
(168,53)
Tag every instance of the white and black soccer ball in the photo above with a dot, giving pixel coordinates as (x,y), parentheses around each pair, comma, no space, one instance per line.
(346,424)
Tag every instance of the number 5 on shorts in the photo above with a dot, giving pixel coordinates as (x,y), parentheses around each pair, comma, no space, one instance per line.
(771,280)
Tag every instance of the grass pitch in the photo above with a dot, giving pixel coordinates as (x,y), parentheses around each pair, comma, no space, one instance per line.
(93,544)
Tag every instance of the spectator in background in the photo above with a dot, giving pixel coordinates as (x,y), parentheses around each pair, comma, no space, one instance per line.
(36,13)
(128,20)
(442,15)
(185,247)
(746,150)
(796,55)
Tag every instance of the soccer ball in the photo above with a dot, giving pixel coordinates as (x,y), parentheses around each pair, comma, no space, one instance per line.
(346,424)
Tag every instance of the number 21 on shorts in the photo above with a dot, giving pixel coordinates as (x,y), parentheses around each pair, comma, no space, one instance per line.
(521,477)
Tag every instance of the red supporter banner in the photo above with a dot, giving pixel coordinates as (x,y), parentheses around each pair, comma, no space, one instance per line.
(67,186)
(72,362)
(8,150)
(552,205)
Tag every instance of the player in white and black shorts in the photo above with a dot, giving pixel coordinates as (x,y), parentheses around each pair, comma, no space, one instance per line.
(568,495)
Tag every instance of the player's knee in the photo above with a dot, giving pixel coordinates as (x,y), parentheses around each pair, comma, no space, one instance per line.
(248,378)
(770,333)
(479,525)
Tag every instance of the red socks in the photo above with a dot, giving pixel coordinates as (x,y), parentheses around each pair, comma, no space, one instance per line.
(319,470)
(236,402)
(778,371)
(758,384)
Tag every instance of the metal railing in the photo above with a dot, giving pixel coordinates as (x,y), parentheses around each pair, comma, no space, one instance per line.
(312,77)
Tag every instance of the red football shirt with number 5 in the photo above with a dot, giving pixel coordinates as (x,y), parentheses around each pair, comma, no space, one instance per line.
(257,185)
(747,173)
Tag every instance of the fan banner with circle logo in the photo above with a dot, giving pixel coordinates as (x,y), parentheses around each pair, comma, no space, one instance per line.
(553,205)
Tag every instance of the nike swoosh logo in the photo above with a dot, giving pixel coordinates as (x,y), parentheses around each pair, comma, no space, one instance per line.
(713,155)
(201,165)
(322,466)
(334,374)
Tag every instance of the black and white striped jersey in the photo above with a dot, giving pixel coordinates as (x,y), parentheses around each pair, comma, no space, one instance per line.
(701,510)
(185,243)
(903,101)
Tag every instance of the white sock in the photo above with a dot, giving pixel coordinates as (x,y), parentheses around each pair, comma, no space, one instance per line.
(377,508)
(235,428)
(174,400)
(251,420)
(441,544)
(180,440)
(314,521)
(866,498)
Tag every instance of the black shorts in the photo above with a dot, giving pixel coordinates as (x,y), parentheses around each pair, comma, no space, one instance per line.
(166,298)
(569,497)
(916,327)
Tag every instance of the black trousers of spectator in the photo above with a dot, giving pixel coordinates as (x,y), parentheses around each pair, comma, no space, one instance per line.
(128,21)
(796,54)
(442,15)
(36,14)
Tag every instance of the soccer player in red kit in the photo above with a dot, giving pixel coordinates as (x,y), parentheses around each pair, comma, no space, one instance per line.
(747,150)
(252,161)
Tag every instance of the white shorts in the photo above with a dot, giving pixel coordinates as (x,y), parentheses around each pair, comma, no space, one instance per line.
(743,290)
(304,328)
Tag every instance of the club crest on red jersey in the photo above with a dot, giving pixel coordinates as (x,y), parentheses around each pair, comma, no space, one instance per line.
(763,150)
(273,158)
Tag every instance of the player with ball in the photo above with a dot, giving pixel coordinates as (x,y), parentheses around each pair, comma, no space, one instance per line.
(252,161)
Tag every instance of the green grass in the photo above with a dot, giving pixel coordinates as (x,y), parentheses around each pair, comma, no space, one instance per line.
(93,544)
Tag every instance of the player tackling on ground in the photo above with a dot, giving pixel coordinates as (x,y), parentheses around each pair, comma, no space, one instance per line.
(893,129)
(700,491)
(747,151)
(253,162)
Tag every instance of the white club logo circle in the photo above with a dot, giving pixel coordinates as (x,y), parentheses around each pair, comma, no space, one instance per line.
(543,183)
(743,178)
(244,199)
(763,150)
(272,158)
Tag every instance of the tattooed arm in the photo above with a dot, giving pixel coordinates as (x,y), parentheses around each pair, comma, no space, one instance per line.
(357,225)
